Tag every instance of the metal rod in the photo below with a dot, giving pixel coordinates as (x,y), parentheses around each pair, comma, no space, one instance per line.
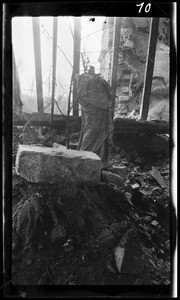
(68,112)
(37,57)
(54,56)
(149,68)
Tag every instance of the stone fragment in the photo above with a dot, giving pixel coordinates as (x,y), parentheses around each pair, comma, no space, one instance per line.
(120,170)
(145,193)
(111,178)
(119,255)
(157,176)
(57,165)
(129,197)
(135,186)
(155,223)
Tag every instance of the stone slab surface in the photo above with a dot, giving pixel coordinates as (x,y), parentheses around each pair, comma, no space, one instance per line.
(57,165)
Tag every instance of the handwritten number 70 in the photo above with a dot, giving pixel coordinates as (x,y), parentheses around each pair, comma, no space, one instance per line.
(147,7)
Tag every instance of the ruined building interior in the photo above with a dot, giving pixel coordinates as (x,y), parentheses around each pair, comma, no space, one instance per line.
(74,222)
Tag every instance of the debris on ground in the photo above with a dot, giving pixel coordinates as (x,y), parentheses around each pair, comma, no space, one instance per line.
(114,233)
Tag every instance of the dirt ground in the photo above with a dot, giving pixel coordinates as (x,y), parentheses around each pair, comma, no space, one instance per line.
(103,235)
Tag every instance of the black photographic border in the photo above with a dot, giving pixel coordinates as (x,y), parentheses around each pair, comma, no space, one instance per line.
(71,8)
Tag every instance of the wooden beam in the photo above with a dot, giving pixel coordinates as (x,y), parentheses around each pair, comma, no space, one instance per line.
(116,40)
(121,125)
(76,61)
(149,68)
(133,127)
(37,58)
(67,120)
(54,56)
(43,120)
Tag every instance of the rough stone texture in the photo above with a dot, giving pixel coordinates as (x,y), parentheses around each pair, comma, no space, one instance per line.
(122,171)
(112,178)
(57,165)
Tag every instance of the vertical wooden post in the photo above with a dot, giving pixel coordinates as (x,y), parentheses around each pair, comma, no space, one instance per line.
(149,68)
(54,52)
(37,57)
(68,112)
(116,41)
(16,90)
(76,60)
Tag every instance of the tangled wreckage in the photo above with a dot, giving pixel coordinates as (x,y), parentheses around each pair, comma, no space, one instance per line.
(75,222)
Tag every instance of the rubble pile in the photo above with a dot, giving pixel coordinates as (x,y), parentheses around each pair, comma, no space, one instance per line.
(114,233)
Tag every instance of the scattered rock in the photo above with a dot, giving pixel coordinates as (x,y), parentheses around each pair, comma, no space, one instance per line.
(113,253)
(119,255)
(129,197)
(111,178)
(154,223)
(145,193)
(157,176)
(68,246)
(135,186)
(120,170)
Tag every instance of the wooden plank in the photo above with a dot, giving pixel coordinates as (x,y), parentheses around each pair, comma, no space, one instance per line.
(131,126)
(121,125)
(116,40)
(54,56)
(76,61)
(149,68)
(67,120)
(37,57)
(43,119)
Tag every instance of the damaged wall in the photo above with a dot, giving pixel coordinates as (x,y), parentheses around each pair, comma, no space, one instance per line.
(133,48)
